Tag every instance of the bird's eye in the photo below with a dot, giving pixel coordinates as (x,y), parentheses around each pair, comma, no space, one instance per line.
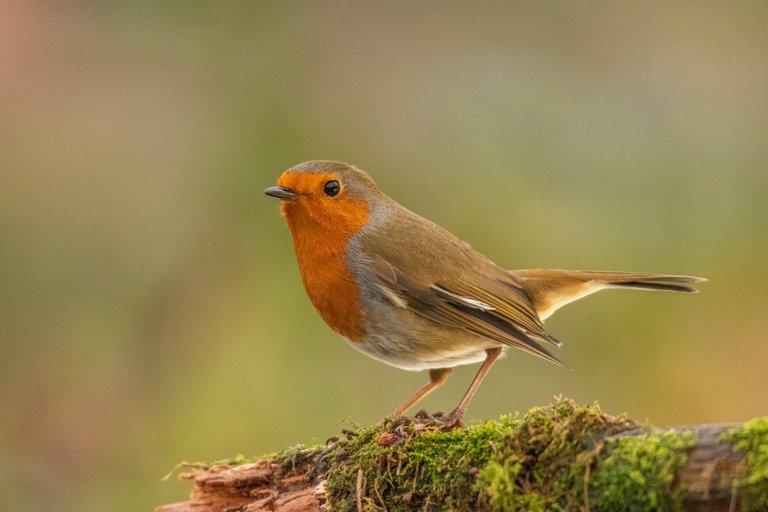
(332,188)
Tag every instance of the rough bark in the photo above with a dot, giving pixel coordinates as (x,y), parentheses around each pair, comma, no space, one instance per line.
(251,487)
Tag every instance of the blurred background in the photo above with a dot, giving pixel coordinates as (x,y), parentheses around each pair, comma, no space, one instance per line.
(151,310)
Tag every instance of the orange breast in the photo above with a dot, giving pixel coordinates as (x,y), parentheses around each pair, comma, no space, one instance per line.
(321,233)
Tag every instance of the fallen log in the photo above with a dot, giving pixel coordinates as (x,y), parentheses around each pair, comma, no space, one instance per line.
(556,457)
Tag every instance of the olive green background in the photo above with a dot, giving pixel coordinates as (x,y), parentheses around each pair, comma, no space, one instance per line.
(150,306)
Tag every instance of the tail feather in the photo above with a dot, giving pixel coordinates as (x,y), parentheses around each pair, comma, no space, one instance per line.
(672,286)
(551,289)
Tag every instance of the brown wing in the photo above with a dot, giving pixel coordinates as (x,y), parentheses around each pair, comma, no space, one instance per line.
(494,307)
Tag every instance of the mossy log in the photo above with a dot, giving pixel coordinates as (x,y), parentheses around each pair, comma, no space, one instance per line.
(556,457)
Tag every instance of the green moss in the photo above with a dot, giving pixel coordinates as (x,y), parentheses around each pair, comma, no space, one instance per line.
(542,465)
(535,463)
(421,467)
(752,439)
(300,460)
(559,457)
(637,473)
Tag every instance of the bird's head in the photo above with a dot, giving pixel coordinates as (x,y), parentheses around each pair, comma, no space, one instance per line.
(326,197)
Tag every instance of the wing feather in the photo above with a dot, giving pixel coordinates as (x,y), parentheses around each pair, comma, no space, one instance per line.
(493,307)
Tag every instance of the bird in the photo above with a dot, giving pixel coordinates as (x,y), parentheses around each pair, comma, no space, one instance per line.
(408,293)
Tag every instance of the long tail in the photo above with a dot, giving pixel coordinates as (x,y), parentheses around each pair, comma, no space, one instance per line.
(550,289)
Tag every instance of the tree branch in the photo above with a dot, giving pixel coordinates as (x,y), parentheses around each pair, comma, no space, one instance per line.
(557,457)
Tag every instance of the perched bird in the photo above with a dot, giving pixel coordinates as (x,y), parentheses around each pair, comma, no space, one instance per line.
(408,293)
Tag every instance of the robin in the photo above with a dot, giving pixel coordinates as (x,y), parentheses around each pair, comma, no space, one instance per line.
(406,292)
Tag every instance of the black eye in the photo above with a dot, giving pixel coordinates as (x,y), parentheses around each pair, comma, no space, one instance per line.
(332,188)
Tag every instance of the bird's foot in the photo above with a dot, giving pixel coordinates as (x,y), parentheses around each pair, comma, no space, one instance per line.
(452,421)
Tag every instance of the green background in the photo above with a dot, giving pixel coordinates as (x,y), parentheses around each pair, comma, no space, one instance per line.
(150,306)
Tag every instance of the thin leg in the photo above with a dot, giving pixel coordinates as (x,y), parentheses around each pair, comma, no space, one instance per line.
(436,378)
(458,412)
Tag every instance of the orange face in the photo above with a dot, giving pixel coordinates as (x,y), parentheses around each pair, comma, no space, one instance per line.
(314,208)
(322,217)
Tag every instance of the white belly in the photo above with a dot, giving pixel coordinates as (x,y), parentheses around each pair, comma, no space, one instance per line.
(411,355)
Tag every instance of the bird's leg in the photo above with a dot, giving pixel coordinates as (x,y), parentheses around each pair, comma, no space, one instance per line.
(436,378)
(454,419)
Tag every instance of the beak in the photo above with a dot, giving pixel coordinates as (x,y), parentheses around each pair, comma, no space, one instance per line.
(280,192)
